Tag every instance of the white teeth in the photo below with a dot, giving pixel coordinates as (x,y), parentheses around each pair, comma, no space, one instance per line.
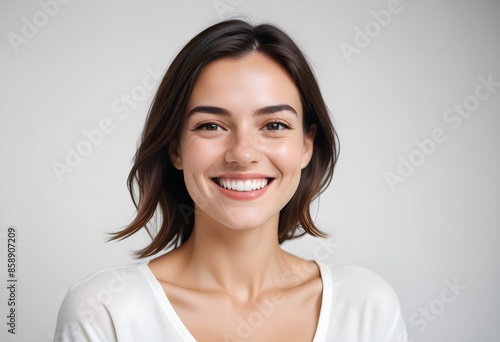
(243,185)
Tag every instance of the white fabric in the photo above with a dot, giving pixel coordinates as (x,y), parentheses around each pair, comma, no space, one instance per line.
(128,304)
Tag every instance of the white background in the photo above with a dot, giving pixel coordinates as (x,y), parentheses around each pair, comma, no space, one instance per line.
(60,78)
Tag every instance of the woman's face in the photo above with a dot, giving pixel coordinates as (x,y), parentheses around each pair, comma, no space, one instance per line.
(242,146)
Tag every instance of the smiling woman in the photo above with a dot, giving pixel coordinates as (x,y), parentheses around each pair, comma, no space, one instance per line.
(237,144)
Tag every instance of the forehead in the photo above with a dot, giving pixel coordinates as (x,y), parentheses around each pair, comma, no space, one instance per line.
(247,82)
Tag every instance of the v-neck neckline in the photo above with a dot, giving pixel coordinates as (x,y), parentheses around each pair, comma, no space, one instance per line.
(183,331)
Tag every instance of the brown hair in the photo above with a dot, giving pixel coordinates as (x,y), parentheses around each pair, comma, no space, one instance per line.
(161,186)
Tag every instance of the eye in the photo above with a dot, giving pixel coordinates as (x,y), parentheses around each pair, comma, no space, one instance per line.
(277,125)
(208,126)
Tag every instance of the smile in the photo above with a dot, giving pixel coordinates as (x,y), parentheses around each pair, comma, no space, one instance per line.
(242,184)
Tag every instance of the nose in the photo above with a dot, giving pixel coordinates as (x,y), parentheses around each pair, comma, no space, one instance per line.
(244,149)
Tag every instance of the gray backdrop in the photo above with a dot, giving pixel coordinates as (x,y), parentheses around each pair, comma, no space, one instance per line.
(414,90)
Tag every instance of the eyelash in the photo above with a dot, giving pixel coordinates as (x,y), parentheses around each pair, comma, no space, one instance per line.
(204,125)
(280,122)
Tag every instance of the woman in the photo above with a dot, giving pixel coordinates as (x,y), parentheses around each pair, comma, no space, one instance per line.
(237,144)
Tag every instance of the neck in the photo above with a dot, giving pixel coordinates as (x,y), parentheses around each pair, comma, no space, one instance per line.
(244,263)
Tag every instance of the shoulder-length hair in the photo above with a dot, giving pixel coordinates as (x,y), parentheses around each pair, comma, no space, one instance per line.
(161,186)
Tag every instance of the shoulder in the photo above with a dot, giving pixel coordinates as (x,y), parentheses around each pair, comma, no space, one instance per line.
(361,285)
(92,306)
(105,287)
(112,279)
(364,306)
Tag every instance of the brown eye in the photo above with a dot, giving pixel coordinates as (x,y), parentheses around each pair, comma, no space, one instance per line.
(209,126)
(276,126)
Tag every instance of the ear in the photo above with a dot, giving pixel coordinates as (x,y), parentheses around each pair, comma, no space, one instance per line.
(308,146)
(175,155)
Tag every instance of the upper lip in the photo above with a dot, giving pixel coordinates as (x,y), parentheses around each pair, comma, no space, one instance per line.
(242,176)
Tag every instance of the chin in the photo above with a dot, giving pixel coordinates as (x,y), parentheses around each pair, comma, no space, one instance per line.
(242,225)
(236,220)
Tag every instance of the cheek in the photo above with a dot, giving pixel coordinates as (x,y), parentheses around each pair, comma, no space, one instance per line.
(287,155)
(198,155)
(290,151)
(197,158)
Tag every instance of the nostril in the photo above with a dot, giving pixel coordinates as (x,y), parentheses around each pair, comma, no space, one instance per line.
(243,154)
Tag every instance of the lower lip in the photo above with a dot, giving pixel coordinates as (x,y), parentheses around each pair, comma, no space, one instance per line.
(243,195)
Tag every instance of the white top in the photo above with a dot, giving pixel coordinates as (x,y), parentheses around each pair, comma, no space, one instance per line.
(129,304)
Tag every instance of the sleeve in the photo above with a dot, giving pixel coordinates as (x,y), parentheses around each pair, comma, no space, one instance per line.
(382,313)
(83,315)
(397,330)
(367,308)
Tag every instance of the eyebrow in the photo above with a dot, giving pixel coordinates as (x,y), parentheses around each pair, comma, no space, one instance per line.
(260,111)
